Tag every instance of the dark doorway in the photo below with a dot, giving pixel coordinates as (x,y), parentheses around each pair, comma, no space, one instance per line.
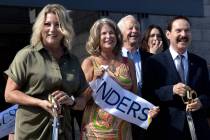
(15,30)
(9,45)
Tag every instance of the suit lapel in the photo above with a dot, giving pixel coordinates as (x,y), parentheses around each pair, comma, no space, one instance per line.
(191,70)
(170,64)
(144,56)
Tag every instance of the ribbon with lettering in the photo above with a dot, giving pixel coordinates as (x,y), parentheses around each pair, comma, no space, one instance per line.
(7,121)
(120,102)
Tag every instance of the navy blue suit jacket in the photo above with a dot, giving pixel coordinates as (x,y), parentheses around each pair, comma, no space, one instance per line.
(159,77)
(137,132)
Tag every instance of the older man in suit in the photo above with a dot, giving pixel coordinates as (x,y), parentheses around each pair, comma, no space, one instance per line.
(130,29)
(167,80)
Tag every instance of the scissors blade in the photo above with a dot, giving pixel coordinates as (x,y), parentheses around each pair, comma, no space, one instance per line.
(191,125)
(55,128)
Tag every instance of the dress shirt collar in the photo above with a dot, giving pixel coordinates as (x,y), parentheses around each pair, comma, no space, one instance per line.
(125,52)
(174,54)
(40,47)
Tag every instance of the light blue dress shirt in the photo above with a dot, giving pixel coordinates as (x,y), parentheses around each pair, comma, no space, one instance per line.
(174,55)
(135,56)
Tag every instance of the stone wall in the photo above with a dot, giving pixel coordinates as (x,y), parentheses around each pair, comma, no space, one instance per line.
(200,32)
(79,46)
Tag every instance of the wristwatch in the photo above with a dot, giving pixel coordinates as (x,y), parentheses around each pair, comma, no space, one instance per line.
(74,101)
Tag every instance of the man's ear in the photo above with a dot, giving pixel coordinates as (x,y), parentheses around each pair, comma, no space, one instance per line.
(167,34)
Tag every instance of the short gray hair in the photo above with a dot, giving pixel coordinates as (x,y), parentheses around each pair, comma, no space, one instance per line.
(122,21)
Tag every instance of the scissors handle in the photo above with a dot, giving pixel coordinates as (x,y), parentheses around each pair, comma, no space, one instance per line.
(53,102)
(190,96)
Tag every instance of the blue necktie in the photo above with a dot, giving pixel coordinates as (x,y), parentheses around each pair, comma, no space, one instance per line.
(180,67)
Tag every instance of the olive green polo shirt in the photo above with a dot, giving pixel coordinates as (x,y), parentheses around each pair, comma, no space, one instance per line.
(38,74)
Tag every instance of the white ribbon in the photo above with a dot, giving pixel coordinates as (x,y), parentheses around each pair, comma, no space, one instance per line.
(120,102)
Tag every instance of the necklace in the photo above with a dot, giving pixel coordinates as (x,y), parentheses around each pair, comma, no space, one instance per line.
(112,68)
(109,61)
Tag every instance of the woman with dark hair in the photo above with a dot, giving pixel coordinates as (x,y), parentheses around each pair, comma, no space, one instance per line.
(154,40)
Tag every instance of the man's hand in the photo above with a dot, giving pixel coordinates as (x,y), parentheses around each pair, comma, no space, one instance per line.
(194,106)
(180,89)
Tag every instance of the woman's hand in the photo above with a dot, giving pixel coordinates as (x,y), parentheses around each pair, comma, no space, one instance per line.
(47,106)
(153,112)
(62,98)
(156,46)
(98,72)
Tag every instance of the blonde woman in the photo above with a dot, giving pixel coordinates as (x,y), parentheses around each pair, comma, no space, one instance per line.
(46,67)
(104,47)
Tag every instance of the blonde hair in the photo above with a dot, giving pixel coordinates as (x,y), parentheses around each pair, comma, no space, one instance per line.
(93,43)
(65,24)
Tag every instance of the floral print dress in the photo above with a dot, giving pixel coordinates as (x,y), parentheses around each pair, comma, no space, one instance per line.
(100,125)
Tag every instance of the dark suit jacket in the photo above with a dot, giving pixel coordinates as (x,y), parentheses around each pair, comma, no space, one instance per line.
(159,77)
(144,56)
(137,132)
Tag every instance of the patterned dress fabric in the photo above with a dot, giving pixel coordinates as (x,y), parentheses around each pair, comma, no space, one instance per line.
(100,125)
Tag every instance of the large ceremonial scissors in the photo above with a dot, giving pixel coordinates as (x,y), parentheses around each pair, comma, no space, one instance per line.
(189,96)
(56,122)
(187,99)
